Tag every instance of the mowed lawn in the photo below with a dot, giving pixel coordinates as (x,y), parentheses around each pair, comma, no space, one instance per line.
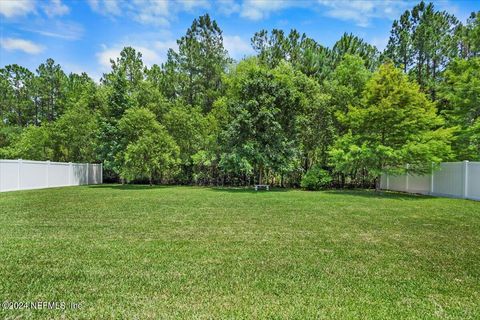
(144,252)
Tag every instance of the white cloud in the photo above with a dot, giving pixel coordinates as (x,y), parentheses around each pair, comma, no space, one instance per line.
(153,12)
(106,7)
(361,11)
(259,9)
(58,29)
(163,46)
(13,44)
(56,8)
(191,5)
(227,7)
(380,43)
(150,56)
(13,8)
(237,47)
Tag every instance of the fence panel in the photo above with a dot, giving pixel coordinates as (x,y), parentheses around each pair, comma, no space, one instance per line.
(27,174)
(33,174)
(59,174)
(79,173)
(419,184)
(452,179)
(397,183)
(473,181)
(9,178)
(448,180)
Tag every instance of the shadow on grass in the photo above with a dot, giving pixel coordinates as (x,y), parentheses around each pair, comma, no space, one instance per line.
(372,194)
(246,189)
(131,187)
(364,193)
(127,186)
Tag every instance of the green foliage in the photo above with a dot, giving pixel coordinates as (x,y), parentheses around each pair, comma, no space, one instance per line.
(316,178)
(153,155)
(34,143)
(146,150)
(74,135)
(353,45)
(260,136)
(470,36)
(200,61)
(395,124)
(460,94)
(294,107)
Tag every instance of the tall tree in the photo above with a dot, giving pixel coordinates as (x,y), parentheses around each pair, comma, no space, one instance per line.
(399,47)
(257,137)
(353,45)
(394,125)
(460,101)
(17,105)
(51,90)
(470,36)
(201,60)
(146,148)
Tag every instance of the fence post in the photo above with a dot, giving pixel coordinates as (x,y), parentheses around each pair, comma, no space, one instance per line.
(101,172)
(88,166)
(388,181)
(465,179)
(406,178)
(70,173)
(431,178)
(19,174)
(48,173)
(0,175)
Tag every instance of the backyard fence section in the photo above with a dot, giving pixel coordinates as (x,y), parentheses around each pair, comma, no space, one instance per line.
(27,174)
(452,179)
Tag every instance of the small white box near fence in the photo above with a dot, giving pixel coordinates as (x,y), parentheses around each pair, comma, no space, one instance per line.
(28,174)
(451,179)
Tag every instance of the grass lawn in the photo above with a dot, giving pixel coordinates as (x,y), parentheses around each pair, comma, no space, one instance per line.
(186,252)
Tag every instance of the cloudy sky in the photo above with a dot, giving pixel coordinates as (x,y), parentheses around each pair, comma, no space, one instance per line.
(84,35)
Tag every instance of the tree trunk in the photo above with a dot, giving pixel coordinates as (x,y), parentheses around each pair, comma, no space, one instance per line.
(377,183)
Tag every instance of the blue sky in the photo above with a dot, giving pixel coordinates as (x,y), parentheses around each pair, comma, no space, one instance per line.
(84,35)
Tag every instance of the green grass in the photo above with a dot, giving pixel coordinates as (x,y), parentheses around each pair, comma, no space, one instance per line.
(185,252)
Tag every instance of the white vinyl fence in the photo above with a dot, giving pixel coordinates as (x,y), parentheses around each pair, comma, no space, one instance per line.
(27,174)
(452,179)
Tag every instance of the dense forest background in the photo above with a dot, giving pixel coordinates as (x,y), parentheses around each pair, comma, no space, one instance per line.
(296,114)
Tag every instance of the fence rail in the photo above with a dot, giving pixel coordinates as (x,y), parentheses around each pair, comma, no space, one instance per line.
(27,174)
(452,179)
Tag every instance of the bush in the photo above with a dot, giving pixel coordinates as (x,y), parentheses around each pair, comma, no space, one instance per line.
(316,178)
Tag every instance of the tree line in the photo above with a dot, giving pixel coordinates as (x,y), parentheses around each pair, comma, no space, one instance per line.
(295,114)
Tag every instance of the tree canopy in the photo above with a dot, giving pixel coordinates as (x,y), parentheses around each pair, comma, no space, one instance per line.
(295,113)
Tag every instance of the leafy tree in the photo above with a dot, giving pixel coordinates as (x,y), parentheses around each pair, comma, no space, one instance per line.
(302,52)
(153,155)
(17,106)
(394,125)
(51,90)
(200,61)
(139,131)
(255,141)
(353,45)
(345,86)
(470,36)
(316,178)
(460,97)
(74,135)
(123,82)
(34,143)
(399,47)
(80,88)
(188,127)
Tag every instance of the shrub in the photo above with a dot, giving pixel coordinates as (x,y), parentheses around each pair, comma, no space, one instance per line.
(316,178)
